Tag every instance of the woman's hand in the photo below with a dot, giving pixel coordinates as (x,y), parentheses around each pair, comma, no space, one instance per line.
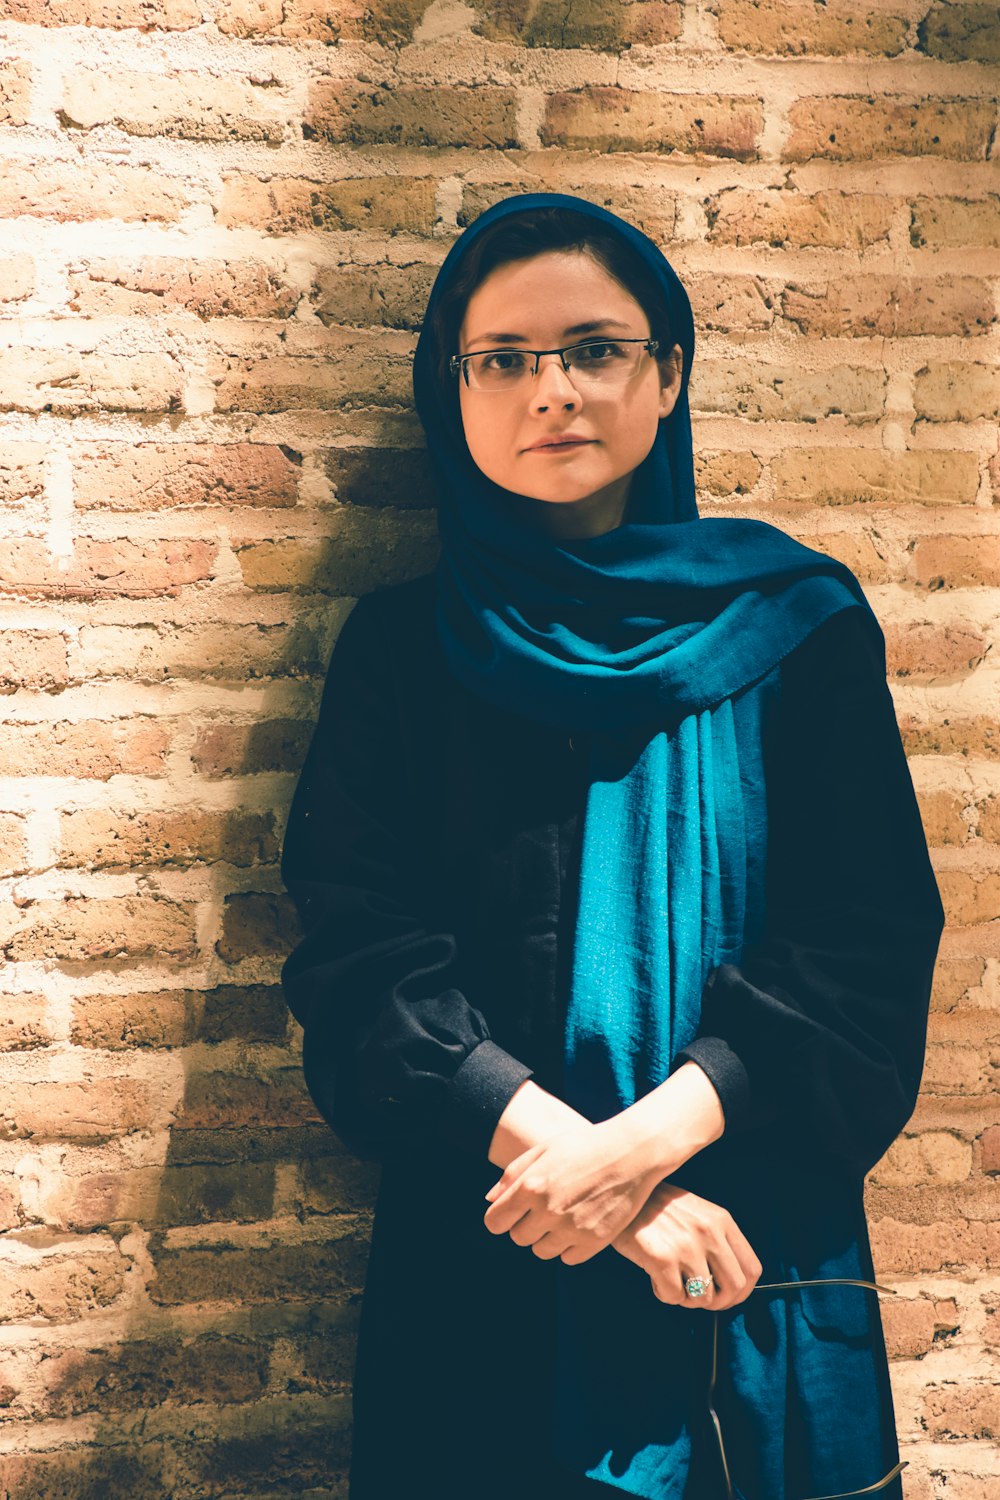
(568,1196)
(676,1235)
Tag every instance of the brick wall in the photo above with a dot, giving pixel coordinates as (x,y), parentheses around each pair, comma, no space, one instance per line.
(221,221)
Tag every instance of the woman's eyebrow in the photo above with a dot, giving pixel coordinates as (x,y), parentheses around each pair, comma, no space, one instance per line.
(519,338)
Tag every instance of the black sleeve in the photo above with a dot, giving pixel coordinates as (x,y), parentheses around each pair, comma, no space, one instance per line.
(392,1049)
(820,1030)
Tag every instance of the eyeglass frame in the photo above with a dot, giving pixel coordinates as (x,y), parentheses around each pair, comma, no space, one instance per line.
(769,1286)
(457,362)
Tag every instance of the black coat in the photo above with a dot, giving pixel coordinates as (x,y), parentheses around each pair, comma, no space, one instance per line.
(431,851)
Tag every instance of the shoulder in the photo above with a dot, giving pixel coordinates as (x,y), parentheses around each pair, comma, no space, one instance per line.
(391,617)
(847,647)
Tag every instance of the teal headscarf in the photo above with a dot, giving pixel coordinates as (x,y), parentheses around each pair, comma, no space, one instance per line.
(660,641)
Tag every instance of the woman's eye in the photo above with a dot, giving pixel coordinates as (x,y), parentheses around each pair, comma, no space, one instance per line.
(503,359)
(597,354)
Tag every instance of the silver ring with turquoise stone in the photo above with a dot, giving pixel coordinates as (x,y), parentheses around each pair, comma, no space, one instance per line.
(697,1286)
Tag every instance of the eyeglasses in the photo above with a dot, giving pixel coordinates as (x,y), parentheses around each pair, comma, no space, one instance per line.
(597,362)
(734,1493)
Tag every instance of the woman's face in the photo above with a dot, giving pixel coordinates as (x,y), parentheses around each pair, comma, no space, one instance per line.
(554,299)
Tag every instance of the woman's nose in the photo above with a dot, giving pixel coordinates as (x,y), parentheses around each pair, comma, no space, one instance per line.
(552,386)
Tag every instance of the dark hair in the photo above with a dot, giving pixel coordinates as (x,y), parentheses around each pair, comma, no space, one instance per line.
(520,236)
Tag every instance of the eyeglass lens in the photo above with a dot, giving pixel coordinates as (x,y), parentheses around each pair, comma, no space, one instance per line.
(592,363)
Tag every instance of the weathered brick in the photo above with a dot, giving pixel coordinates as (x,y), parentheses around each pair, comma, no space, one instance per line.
(828,220)
(225,1099)
(23,1023)
(132,1473)
(957,978)
(32,659)
(22,473)
(286,205)
(288,1145)
(727,474)
(327,1362)
(256,924)
(653,209)
(68,382)
(934,1156)
(86,748)
(15,91)
(310,1459)
(912,1248)
(89,1110)
(589,23)
(173,1018)
(731,304)
(224,750)
(83,928)
(278,1272)
(378,296)
(407,115)
(951,562)
(954,392)
(955,223)
(858,550)
(913,1325)
(136,568)
(82,192)
(869,306)
(180,105)
(59,1285)
(929,649)
(941,814)
(859,128)
(148,15)
(163,1197)
(233,653)
(17,278)
(13,844)
(170,284)
(779,29)
(766,392)
(954,1069)
(968,1410)
(160,476)
(369,546)
(978,735)
(989,818)
(961,33)
(335,1185)
(140,1374)
(357,371)
(990,1148)
(120,839)
(388,22)
(398,477)
(600,118)
(845,476)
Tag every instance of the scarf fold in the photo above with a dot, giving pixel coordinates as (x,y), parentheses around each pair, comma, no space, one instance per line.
(662,638)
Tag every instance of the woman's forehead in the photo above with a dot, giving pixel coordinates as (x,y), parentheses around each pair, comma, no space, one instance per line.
(556,293)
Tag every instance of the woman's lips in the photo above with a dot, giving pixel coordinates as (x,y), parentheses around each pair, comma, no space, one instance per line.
(562,447)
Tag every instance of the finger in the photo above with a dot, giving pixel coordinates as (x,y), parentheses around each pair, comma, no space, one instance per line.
(697,1299)
(505,1211)
(513,1170)
(749,1265)
(728,1279)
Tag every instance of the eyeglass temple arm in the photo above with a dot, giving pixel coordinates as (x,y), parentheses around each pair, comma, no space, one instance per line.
(770,1286)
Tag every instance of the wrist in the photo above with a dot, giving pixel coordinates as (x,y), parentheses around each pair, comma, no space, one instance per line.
(670,1124)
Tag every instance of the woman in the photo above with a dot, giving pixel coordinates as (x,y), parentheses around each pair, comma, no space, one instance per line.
(618,913)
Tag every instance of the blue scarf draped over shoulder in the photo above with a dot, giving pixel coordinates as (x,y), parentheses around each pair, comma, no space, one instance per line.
(660,641)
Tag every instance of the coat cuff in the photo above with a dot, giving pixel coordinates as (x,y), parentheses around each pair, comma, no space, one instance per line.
(480,1091)
(728,1076)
